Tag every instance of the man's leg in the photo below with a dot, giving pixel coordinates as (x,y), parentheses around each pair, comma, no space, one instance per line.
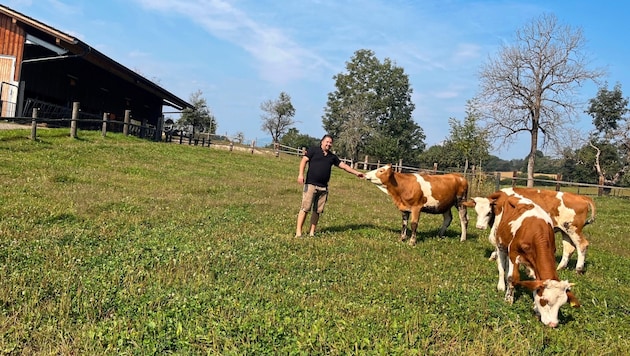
(300,222)
(314,220)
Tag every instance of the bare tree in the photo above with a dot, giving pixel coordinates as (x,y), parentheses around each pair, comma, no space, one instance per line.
(278,117)
(531,87)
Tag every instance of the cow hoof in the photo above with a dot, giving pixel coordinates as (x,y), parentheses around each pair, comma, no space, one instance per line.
(579,272)
(412,242)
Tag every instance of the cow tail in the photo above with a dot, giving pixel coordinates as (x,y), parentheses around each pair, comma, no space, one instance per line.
(591,219)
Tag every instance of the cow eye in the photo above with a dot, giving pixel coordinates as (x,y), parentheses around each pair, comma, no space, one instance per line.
(543,302)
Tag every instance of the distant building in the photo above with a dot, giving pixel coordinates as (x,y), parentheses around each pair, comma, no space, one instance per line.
(45,68)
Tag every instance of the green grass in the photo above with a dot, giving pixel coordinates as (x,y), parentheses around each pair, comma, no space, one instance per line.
(121,246)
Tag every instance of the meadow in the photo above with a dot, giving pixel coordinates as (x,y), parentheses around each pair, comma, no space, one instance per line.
(115,245)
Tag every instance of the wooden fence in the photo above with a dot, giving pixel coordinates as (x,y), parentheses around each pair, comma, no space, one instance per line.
(481,183)
(129,126)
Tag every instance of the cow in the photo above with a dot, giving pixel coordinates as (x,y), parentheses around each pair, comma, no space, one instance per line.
(414,193)
(569,213)
(524,235)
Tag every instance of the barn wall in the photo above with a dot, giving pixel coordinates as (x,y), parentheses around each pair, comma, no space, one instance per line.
(11,41)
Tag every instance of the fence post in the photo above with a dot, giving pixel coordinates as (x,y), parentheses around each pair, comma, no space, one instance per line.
(558,179)
(34,124)
(600,188)
(400,165)
(126,122)
(73,121)
(365,163)
(497,184)
(514,175)
(231,146)
(104,128)
(253,145)
(435,165)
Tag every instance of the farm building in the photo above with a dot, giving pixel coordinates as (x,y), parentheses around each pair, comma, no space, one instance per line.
(42,67)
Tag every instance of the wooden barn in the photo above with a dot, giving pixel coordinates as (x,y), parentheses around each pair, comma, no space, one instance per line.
(42,67)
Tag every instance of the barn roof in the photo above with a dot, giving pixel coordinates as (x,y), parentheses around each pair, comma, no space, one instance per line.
(69,46)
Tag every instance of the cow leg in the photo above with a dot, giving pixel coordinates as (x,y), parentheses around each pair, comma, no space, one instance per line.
(463,221)
(448,217)
(567,250)
(405,220)
(502,259)
(415,216)
(512,279)
(581,244)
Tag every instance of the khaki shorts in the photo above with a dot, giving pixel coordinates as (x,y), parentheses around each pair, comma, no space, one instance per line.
(314,196)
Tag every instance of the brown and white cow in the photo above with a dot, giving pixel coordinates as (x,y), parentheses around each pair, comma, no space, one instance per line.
(569,213)
(524,235)
(414,193)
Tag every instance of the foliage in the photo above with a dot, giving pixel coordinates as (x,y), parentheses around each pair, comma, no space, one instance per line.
(609,110)
(278,116)
(530,87)
(199,118)
(178,249)
(293,138)
(370,111)
(470,141)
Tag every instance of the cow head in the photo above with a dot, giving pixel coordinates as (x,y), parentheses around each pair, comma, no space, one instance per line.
(380,176)
(487,209)
(549,296)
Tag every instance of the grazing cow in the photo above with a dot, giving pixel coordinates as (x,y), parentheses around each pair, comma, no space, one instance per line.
(433,194)
(569,213)
(524,235)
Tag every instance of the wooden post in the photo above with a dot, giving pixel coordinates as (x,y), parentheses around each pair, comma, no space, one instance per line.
(253,145)
(400,165)
(497,182)
(75,118)
(514,175)
(600,188)
(365,163)
(435,165)
(231,146)
(104,128)
(34,124)
(126,122)
(558,179)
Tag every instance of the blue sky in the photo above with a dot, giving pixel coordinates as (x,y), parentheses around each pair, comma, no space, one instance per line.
(240,53)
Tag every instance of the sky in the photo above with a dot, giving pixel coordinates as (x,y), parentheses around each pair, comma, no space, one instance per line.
(241,53)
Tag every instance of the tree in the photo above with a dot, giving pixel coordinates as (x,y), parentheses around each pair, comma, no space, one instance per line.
(199,117)
(531,87)
(278,117)
(468,139)
(370,111)
(608,110)
(293,138)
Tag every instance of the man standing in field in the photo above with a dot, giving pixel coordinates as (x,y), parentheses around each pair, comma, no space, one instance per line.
(315,193)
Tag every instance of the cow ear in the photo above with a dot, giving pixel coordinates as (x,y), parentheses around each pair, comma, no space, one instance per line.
(573,300)
(469,204)
(495,196)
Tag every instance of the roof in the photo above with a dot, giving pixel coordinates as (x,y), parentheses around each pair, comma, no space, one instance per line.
(76,47)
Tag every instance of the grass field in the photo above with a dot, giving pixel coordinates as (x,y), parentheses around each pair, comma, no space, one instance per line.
(121,246)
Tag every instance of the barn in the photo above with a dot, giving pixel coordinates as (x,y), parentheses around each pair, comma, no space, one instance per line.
(42,67)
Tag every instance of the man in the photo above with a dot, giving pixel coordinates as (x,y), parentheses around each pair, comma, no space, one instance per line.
(320,161)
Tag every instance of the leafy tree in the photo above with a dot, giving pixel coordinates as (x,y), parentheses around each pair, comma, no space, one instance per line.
(370,111)
(293,138)
(468,139)
(530,87)
(445,155)
(199,118)
(278,117)
(609,110)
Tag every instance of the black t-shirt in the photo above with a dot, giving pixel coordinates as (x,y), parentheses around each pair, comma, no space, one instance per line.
(320,166)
